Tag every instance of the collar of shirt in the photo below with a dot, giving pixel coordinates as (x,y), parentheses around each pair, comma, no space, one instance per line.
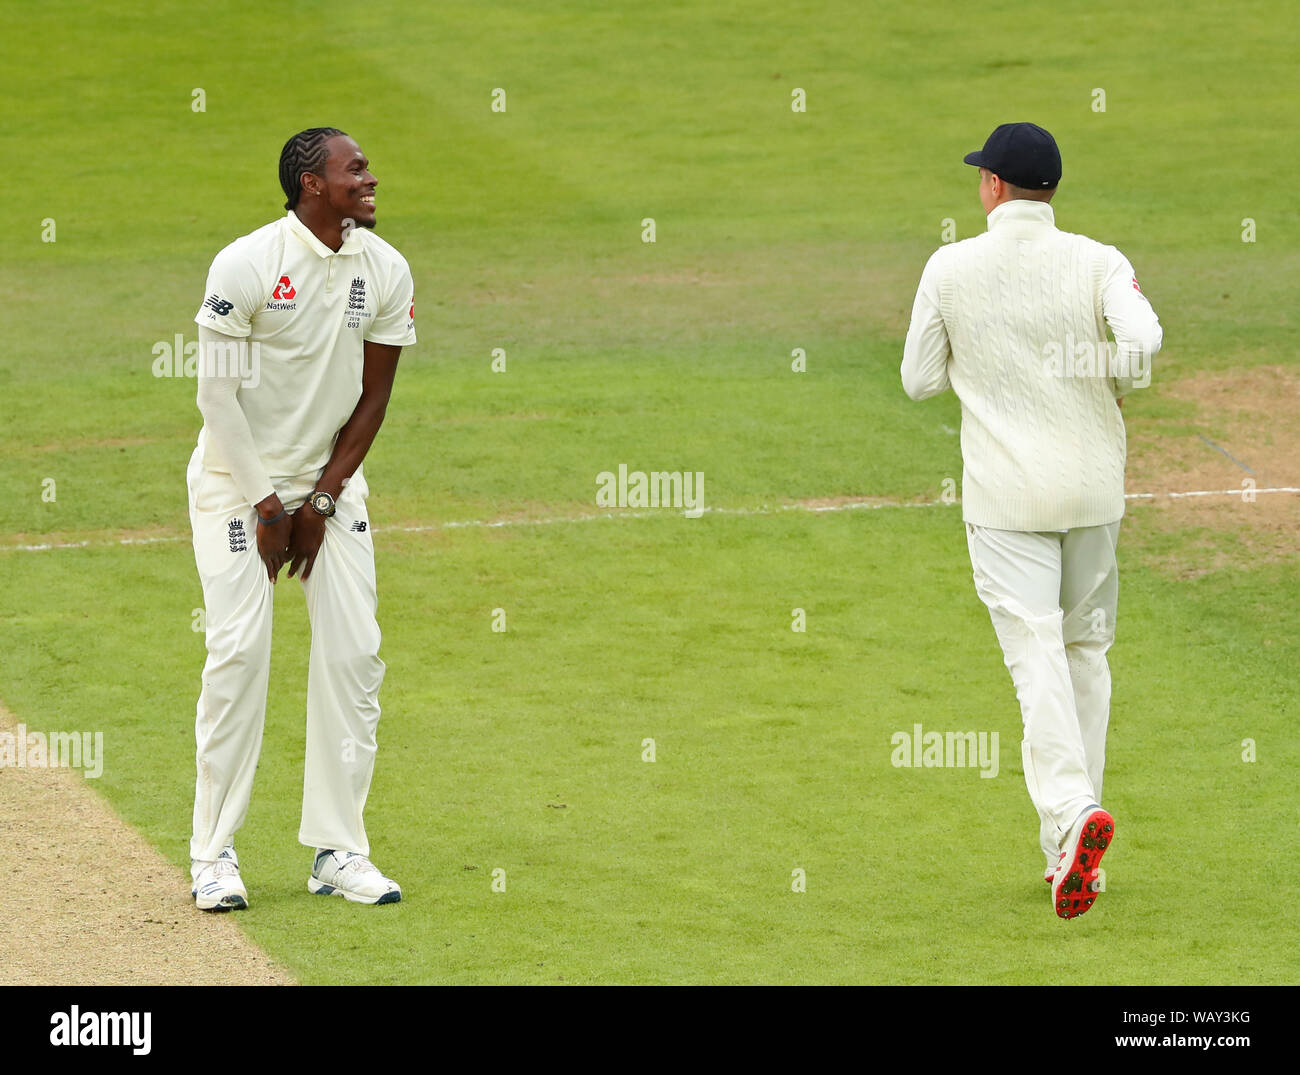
(351,245)
(1021,218)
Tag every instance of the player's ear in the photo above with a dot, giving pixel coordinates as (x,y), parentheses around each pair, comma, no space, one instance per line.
(312,184)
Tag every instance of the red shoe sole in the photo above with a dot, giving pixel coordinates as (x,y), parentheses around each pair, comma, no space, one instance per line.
(1073,893)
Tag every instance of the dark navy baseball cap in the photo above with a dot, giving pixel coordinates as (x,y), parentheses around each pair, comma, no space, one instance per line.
(1022,154)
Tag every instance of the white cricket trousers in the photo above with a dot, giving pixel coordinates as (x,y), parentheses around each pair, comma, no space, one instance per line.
(343,678)
(1052,597)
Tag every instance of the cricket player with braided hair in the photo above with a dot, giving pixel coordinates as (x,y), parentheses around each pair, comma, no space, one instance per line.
(1015,321)
(317,308)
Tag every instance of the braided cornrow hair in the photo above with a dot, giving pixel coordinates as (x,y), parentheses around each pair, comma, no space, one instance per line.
(304,152)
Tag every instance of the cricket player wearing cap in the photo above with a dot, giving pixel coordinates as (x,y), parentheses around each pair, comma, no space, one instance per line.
(318,309)
(1014,321)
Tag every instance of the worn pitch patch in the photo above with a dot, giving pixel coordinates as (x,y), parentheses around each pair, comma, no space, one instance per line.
(89,901)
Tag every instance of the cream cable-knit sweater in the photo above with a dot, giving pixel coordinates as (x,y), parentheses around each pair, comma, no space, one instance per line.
(1015,321)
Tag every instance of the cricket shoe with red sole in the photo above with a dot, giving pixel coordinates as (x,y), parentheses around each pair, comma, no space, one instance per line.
(1049,874)
(1076,885)
(352,876)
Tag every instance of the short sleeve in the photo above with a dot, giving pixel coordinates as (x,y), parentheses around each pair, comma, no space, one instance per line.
(233,295)
(394,322)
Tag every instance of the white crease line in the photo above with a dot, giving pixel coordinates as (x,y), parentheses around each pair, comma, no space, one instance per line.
(1210,492)
(461,524)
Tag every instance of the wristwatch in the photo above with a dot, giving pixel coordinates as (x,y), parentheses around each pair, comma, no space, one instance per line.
(322,503)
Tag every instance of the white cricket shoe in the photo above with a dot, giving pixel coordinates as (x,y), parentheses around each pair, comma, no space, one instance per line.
(1077,882)
(1049,874)
(352,876)
(217,885)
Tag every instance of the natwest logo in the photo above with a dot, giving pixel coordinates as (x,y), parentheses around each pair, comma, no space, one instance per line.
(284,289)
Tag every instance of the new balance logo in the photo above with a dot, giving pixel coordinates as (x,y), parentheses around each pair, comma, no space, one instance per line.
(359,527)
(219,305)
(238,536)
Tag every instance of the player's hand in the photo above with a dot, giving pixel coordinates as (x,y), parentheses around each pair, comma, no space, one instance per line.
(304,544)
(273,545)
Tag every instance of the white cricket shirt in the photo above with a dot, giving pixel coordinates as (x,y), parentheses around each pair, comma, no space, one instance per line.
(1015,321)
(309,309)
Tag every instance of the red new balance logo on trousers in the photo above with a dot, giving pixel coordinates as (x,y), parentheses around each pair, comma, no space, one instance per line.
(284,289)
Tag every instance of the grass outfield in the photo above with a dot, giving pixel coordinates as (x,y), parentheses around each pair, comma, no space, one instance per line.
(522,751)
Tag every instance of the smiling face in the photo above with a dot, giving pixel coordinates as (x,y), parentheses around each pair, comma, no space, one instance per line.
(348,188)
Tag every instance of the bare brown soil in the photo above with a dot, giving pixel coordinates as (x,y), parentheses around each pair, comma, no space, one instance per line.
(88,901)
(1241,427)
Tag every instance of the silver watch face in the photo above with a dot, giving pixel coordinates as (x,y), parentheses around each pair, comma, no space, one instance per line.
(323,503)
